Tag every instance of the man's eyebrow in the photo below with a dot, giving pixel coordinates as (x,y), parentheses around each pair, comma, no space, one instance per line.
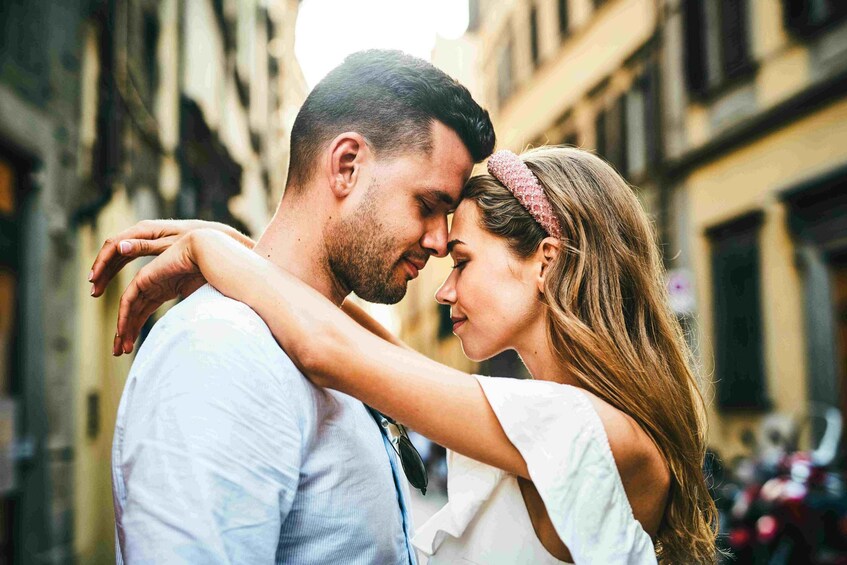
(453,243)
(441,195)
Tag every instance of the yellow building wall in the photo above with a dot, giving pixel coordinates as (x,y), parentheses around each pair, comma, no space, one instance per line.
(586,58)
(98,373)
(749,179)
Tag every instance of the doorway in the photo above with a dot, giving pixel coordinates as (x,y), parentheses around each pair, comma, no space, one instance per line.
(839,295)
(10,197)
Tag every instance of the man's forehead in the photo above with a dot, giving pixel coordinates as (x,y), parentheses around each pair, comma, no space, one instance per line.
(444,196)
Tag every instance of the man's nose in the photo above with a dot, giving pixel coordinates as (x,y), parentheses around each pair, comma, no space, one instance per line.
(434,240)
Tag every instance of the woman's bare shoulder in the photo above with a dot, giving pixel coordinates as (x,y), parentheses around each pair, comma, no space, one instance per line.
(626,438)
(643,470)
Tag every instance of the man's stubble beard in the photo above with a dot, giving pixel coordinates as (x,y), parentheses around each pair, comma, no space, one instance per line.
(360,254)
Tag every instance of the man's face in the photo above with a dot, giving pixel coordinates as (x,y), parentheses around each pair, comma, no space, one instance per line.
(400,220)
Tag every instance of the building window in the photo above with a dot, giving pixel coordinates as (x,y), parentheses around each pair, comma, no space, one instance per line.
(735,56)
(504,73)
(716,43)
(694,22)
(24,48)
(8,209)
(642,124)
(533,35)
(636,132)
(564,20)
(142,47)
(600,129)
(108,152)
(610,124)
(739,353)
(807,17)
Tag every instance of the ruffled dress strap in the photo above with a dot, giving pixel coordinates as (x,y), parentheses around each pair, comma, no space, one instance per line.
(469,485)
(561,437)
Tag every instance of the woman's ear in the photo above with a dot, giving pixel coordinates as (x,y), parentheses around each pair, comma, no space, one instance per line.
(347,153)
(545,255)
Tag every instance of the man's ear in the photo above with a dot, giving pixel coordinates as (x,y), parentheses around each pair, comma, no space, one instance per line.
(347,153)
(544,257)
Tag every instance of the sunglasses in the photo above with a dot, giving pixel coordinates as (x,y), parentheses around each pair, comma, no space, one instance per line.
(410,459)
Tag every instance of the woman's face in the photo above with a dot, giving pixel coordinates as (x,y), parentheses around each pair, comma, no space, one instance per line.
(492,294)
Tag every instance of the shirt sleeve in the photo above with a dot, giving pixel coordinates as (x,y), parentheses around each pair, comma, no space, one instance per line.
(212,449)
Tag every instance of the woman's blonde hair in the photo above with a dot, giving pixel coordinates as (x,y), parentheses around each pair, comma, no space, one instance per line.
(610,323)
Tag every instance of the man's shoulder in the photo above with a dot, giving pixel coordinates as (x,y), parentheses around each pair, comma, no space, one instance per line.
(210,328)
(207,305)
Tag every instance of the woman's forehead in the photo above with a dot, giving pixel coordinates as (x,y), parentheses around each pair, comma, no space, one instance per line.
(465,227)
(466,213)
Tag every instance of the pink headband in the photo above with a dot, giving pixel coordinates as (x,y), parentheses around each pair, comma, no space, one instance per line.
(507,167)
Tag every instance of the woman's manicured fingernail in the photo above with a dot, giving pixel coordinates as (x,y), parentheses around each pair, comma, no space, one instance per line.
(93,288)
(91,275)
(126,247)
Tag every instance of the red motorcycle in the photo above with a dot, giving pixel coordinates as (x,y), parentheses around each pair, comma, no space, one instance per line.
(793,506)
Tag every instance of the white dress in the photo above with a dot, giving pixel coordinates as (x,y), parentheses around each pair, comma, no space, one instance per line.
(564,444)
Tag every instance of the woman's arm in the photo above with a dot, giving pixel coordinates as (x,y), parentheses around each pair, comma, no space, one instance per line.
(149,237)
(366,321)
(444,404)
(154,237)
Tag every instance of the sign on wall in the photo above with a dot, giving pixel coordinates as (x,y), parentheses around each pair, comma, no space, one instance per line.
(681,291)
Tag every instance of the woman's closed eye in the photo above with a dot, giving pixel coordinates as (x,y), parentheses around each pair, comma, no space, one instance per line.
(460,264)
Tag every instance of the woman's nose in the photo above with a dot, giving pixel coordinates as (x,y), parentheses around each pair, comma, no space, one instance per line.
(447,293)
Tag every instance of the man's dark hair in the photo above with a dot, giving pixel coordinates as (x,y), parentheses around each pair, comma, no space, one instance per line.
(391,99)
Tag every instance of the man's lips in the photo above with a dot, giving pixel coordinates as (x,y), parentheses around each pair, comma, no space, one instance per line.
(413,265)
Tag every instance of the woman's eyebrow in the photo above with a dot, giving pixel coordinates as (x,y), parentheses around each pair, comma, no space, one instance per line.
(453,243)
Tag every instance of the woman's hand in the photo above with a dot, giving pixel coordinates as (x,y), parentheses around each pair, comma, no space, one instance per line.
(150,237)
(166,277)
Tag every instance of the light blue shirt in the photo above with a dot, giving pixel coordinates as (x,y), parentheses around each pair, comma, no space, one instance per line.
(225,453)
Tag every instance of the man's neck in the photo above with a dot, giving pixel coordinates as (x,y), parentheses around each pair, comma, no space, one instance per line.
(291,241)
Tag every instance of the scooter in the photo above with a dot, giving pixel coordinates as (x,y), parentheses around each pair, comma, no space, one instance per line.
(792,508)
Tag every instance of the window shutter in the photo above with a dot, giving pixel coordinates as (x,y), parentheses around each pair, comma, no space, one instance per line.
(564,19)
(616,135)
(533,35)
(694,24)
(734,49)
(736,288)
(600,128)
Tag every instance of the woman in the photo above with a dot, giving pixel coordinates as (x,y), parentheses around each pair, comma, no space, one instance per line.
(599,458)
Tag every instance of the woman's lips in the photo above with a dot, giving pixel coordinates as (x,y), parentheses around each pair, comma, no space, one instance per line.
(458,322)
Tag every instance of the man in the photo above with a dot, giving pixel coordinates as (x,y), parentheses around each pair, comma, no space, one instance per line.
(223,450)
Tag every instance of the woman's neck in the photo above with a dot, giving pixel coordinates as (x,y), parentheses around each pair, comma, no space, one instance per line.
(538,355)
